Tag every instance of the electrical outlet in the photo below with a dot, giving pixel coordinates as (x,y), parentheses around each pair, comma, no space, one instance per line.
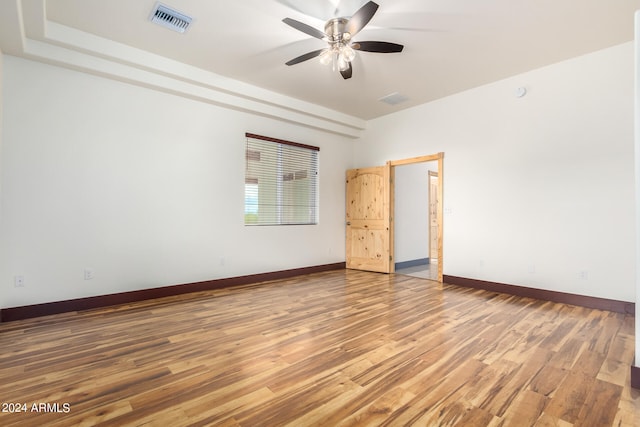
(18,281)
(88,274)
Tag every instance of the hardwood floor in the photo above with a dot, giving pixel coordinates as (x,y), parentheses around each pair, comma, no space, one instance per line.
(340,348)
(424,271)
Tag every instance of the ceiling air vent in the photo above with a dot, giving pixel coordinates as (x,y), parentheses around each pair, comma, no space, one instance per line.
(393,99)
(170,18)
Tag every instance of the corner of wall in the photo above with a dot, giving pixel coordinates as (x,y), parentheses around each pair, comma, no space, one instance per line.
(637,176)
(2,302)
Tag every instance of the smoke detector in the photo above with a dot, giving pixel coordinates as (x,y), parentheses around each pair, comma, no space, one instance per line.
(170,18)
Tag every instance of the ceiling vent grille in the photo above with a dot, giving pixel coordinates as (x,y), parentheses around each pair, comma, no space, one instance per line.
(170,18)
(394,99)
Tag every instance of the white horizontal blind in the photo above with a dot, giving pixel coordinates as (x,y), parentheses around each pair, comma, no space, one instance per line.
(281,182)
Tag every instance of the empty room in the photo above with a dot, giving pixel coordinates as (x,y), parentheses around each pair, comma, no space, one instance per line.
(319,213)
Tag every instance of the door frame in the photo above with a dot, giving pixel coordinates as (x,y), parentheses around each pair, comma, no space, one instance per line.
(430,175)
(439,157)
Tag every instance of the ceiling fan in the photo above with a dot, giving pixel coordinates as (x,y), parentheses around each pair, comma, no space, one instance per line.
(338,32)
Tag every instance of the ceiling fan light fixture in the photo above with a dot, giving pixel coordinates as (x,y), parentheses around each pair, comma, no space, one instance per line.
(343,64)
(347,52)
(326,57)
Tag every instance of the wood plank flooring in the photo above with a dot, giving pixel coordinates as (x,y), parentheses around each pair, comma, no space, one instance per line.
(340,348)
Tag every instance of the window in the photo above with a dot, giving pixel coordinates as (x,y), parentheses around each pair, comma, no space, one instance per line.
(281,182)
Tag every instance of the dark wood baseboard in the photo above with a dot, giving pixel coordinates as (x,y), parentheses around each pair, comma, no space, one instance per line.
(635,375)
(56,307)
(545,295)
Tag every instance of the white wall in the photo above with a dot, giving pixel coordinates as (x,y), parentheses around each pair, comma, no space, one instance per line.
(143,187)
(537,189)
(411,213)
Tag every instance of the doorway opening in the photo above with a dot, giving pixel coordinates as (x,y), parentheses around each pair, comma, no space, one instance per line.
(417,216)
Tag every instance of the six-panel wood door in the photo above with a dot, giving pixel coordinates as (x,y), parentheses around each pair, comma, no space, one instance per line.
(368,212)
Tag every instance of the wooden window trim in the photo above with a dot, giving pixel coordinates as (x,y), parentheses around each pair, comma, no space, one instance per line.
(281,141)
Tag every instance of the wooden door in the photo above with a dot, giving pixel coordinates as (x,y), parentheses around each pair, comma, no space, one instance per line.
(369,232)
(433,216)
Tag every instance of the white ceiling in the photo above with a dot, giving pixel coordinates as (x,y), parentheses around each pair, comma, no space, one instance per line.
(450,45)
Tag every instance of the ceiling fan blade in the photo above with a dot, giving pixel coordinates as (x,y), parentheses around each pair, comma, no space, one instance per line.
(346,74)
(305,57)
(361,18)
(307,29)
(380,47)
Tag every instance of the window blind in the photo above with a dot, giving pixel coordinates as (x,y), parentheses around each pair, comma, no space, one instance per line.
(281,182)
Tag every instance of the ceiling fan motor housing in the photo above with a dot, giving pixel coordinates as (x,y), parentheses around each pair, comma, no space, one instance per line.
(335,29)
